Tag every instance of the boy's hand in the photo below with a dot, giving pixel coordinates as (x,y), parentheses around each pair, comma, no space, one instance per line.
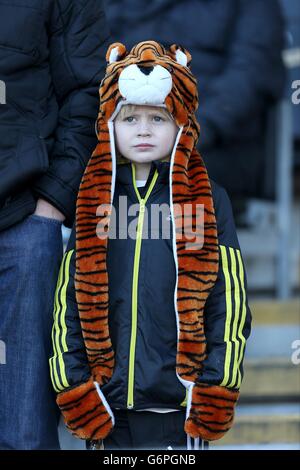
(86,413)
(46,209)
(212,411)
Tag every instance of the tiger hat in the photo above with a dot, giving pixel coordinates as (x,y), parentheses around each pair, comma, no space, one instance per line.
(147,75)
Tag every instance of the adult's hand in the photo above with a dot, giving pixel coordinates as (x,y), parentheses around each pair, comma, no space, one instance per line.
(46,209)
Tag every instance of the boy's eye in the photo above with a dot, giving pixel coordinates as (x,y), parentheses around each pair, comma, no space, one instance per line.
(158,118)
(129,119)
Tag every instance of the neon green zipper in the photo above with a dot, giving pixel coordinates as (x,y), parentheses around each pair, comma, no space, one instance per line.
(136,265)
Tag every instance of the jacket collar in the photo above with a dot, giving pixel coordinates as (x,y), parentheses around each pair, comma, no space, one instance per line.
(124,173)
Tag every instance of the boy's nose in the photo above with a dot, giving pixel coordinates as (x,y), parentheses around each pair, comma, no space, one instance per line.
(143,131)
(144,127)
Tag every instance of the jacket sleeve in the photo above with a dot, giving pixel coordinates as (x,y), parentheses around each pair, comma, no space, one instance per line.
(227,323)
(77,43)
(86,413)
(254,71)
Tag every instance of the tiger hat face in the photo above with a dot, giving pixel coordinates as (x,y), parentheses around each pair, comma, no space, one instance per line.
(149,75)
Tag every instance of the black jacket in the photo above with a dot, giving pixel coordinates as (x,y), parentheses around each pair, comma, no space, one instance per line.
(145,352)
(236,57)
(51,61)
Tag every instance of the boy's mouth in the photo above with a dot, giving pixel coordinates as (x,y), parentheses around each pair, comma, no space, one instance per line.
(143,146)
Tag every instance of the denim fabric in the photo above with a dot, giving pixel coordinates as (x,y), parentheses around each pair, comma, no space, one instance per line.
(30,256)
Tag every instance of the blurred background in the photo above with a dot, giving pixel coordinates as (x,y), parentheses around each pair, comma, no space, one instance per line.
(246,57)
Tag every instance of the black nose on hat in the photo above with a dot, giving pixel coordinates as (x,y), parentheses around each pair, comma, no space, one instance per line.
(145,70)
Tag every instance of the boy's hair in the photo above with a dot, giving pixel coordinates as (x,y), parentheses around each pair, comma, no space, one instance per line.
(128,109)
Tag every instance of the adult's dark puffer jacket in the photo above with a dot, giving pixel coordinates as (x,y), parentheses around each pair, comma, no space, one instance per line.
(237,60)
(146,318)
(50,64)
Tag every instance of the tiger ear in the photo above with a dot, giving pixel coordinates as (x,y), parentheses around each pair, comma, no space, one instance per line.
(180,54)
(115,52)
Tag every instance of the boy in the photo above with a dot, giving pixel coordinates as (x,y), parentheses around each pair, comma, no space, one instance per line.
(149,329)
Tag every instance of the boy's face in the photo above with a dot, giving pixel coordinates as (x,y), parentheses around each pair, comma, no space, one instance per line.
(145,134)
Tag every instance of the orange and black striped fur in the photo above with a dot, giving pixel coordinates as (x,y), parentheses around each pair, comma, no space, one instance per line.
(211,410)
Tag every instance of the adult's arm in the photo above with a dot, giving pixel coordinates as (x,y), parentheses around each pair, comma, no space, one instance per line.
(77,43)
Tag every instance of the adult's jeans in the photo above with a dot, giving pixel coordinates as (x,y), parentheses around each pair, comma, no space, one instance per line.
(30,256)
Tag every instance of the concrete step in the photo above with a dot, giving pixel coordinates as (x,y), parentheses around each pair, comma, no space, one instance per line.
(274,312)
(275,330)
(274,341)
(272,379)
(261,244)
(264,424)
